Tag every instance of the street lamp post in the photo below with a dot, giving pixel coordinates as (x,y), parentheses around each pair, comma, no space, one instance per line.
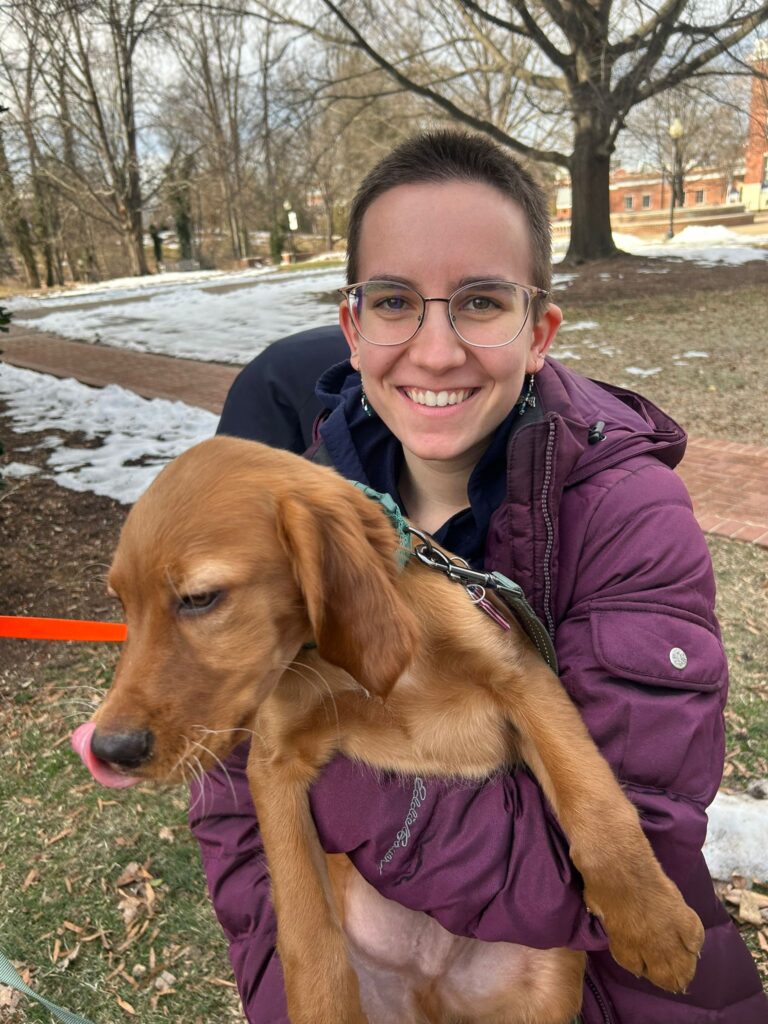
(293,225)
(676,132)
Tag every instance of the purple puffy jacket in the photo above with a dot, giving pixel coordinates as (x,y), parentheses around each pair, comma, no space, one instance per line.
(603,540)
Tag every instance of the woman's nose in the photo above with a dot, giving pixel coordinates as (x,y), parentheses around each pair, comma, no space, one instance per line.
(436,345)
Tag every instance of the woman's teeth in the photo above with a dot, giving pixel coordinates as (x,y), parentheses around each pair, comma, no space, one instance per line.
(439,397)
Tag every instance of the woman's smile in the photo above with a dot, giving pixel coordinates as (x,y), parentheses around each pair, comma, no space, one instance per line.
(438,399)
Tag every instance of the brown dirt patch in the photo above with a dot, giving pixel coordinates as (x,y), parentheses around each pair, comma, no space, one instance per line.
(56,549)
(628,277)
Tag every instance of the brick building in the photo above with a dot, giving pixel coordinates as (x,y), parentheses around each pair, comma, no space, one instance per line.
(647,193)
(754,191)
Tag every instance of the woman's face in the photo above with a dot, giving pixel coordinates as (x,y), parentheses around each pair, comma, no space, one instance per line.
(433,237)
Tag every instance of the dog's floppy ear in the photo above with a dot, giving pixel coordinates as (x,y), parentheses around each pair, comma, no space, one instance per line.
(342,550)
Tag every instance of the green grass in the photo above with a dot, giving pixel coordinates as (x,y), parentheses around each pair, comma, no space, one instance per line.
(741,571)
(66,843)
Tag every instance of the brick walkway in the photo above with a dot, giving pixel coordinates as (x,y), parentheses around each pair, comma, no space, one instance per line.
(728,482)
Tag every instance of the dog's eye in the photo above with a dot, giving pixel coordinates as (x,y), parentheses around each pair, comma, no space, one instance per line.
(196,604)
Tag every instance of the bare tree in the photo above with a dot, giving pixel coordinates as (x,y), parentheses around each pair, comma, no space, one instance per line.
(88,61)
(586,61)
(13,216)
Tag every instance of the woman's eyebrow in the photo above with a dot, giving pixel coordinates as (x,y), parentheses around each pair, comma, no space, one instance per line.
(394,278)
(487,278)
(473,279)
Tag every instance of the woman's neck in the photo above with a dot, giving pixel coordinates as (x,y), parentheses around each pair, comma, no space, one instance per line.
(433,491)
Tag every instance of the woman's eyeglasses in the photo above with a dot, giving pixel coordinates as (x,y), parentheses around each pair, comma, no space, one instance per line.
(485,314)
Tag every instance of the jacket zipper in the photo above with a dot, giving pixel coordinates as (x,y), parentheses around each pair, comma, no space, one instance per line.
(607,1019)
(550,529)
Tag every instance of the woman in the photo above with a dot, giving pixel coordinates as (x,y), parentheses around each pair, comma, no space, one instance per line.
(565,485)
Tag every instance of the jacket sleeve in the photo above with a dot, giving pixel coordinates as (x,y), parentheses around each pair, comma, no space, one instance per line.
(272,399)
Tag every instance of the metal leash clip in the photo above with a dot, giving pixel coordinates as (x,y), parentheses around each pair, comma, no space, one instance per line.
(476,584)
(454,568)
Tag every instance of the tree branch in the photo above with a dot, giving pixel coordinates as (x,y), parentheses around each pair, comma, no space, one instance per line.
(479,124)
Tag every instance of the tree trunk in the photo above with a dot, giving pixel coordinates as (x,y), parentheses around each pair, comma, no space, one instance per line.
(7,268)
(591,236)
(17,223)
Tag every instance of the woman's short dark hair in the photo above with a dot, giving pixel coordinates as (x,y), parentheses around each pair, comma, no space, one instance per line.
(451,155)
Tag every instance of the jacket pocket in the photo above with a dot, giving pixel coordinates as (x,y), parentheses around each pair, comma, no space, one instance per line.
(657,646)
(661,685)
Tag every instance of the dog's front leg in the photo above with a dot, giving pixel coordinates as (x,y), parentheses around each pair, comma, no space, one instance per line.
(321,986)
(651,930)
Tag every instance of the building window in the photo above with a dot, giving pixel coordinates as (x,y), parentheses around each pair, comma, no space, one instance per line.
(629,202)
(765,170)
(698,195)
(646,202)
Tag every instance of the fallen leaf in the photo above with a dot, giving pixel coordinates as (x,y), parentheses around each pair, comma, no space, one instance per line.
(125,1006)
(68,956)
(61,835)
(32,876)
(749,908)
(131,873)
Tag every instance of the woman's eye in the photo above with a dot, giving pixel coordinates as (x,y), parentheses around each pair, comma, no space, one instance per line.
(391,303)
(481,303)
(195,604)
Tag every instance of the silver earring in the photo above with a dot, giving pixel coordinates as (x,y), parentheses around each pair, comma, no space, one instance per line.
(528,399)
(367,407)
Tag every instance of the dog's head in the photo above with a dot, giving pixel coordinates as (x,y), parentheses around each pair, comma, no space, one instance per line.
(235,557)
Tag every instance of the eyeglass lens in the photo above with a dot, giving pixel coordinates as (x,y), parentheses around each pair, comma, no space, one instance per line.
(485,314)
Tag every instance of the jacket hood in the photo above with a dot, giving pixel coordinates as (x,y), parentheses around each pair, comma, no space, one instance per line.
(632,425)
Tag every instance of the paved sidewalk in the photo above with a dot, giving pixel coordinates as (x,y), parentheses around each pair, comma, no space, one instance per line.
(728,482)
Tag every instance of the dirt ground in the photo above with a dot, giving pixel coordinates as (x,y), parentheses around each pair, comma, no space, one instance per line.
(643,277)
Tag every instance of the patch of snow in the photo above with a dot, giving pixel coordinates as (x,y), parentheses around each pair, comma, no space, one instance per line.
(579,325)
(637,371)
(130,429)
(563,354)
(231,324)
(738,826)
(693,354)
(18,469)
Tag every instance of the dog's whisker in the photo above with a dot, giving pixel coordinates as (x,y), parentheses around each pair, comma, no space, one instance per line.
(217,732)
(198,744)
(179,763)
(203,782)
(331,702)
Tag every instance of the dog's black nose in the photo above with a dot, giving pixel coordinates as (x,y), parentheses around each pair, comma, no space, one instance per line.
(126,749)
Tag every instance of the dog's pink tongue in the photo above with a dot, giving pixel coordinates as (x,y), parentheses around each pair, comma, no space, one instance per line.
(100,770)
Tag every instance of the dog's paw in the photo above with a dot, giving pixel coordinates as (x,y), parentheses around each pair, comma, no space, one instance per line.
(659,943)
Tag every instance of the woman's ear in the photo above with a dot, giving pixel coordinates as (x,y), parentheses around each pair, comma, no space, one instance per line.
(353,338)
(544,331)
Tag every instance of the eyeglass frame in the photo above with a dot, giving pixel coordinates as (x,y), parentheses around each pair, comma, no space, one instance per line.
(532,291)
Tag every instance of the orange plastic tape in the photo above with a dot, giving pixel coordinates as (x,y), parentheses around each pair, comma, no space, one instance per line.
(22,627)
